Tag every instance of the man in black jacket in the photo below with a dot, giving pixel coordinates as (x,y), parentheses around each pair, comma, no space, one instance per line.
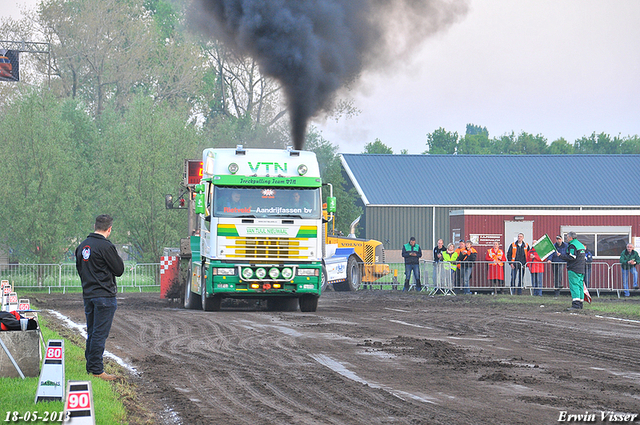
(98,264)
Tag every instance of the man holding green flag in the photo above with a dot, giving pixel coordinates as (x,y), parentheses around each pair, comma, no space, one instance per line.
(575,269)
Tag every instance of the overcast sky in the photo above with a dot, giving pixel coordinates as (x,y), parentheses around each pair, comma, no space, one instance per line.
(560,68)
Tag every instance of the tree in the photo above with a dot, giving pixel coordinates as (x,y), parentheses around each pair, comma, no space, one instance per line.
(474,130)
(41,183)
(523,144)
(441,142)
(142,160)
(598,144)
(505,144)
(560,147)
(100,48)
(528,144)
(475,144)
(242,106)
(630,145)
(377,147)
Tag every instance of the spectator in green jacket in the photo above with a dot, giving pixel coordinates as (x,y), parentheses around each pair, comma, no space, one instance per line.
(576,260)
(628,260)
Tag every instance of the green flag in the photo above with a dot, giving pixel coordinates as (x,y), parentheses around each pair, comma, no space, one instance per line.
(544,247)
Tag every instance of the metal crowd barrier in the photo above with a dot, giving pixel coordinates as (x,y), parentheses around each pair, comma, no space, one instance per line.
(61,277)
(616,280)
(437,279)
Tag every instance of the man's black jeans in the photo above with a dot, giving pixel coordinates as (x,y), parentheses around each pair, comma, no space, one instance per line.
(99,313)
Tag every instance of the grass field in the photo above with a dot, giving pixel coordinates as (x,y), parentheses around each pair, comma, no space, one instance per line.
(17,395)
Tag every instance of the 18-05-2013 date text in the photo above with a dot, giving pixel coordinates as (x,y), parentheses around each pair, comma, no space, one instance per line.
(35,416)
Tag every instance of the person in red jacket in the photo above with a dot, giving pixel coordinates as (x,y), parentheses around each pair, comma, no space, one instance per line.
(536,267)
(496,268)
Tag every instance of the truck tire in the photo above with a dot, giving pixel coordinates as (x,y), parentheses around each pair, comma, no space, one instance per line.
(354,276)
(209,303)
(324,282)
(212,303)
(308,303)
(191,299)
(282,304)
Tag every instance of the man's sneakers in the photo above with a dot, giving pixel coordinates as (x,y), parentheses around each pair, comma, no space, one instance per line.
(106,377)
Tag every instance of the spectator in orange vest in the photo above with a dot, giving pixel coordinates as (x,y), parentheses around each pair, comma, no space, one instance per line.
(496,269)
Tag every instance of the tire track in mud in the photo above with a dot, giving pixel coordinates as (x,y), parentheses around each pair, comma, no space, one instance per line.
(244,360)
(532,335)
(253,367)
(597,344)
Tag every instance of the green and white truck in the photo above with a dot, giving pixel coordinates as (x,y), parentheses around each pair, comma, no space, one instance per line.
(260,230)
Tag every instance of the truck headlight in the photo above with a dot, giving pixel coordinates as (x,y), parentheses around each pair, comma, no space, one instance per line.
(287,273)
(274,273)
(261,273)
(247,273)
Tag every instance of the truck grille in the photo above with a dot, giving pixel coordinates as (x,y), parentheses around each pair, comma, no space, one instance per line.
(265,248)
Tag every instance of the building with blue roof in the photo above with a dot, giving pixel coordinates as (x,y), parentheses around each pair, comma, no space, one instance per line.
(414,195)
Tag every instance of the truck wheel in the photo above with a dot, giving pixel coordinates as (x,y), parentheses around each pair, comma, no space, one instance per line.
(324,282)
(212,303)
(282,304)
(209,303)
(354,277)
(191,300)
(308,303)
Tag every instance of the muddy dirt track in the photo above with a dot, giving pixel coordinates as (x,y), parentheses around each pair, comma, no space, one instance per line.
(374,357)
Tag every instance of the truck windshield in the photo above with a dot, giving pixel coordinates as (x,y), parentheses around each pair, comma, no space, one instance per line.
(266,202)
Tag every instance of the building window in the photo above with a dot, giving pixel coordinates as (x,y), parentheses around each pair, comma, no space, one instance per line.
(605,242)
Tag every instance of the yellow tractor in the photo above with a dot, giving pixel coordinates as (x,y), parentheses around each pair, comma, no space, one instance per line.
(369,265)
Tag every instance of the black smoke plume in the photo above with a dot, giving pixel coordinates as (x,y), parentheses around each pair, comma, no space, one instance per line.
(315,47)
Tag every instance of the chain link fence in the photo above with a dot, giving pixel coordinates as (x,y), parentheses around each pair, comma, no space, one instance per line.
(63,277)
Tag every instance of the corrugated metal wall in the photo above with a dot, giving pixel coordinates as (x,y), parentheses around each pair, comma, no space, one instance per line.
(393,226)
(547,223)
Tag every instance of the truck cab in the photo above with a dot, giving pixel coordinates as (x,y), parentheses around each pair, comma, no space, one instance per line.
(260,216)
